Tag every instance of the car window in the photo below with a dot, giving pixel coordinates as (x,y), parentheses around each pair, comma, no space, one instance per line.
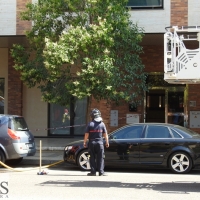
(176,135)
(157,132)
(19,124)
(130,132)
(185,132)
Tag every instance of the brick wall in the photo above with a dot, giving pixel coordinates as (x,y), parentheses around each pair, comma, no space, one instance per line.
(21,26)
(193,95)
(153,58)
(179,12)
(104,109)
(14,90)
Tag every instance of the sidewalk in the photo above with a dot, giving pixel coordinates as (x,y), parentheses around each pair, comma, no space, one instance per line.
(54,144)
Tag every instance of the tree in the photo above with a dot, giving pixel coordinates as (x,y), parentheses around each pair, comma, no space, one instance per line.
(82,48)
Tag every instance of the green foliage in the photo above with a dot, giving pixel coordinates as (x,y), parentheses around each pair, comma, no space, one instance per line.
(82,48)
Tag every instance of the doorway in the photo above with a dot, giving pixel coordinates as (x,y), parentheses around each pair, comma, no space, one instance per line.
(155,107)
(166,105)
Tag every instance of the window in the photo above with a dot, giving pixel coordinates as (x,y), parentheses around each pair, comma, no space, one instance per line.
(149,4)
(157,132)
(176,135)
(131,132)
(68,120)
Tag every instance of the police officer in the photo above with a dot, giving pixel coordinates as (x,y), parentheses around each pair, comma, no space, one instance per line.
(95,132)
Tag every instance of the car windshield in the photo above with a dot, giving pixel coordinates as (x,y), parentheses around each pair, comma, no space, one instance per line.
(184,130)
(19,124)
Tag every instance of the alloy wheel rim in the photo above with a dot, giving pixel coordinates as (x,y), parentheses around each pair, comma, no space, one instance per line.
(180,163)
(84,161)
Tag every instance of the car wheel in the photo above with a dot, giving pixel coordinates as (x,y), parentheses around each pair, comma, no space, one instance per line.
(2,157)
(180,162)
(83,160)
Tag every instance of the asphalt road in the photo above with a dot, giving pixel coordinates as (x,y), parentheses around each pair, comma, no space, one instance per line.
(68,182)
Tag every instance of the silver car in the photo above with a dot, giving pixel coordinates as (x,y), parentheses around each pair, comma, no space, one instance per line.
(16,141)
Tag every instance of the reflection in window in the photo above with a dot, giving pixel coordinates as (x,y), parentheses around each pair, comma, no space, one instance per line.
(59,120)
(175,102)
(2,84)
(176,135)
(157,132)
(131,132)
(68,120)
(80,110)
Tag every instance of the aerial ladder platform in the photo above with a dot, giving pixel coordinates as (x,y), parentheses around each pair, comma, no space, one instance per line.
(181,64)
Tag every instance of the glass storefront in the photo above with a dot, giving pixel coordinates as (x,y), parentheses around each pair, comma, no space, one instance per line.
(2,84)
(68,120)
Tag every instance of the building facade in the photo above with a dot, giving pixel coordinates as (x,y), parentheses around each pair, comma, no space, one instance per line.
(178,104)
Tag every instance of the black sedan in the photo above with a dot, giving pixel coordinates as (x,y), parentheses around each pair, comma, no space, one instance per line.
(144,145)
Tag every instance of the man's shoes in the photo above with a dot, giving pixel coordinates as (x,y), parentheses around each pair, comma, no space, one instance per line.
(91,174)
(103,174)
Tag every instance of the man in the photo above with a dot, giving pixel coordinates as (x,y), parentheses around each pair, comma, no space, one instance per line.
(95,132)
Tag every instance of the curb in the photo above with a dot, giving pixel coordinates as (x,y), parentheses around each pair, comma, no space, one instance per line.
(50,148)
(36,162)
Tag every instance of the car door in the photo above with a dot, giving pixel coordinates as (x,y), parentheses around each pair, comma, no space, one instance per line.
(155,145)
(124,146)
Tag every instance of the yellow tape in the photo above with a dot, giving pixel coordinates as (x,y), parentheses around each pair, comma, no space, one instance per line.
(46,166)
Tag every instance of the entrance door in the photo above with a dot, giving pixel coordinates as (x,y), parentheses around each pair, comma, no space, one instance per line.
(155,106)
(165,105)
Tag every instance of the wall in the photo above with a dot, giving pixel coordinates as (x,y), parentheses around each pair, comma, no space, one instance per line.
(7,17)
(193,13)
(35,111)
(193,95)
(10,15)
(4,74)
(179,12)
(14,89)
(21,26)
(152,20)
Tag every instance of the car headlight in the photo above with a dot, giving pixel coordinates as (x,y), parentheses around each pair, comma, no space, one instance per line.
(67,148)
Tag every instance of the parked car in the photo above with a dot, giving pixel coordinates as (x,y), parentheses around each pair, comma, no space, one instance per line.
(1,105)
(144,145)
(16,141)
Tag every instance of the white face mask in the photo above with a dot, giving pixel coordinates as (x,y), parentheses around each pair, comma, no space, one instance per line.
(98,119)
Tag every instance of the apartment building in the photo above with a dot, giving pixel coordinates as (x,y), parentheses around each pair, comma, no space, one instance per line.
(164,102)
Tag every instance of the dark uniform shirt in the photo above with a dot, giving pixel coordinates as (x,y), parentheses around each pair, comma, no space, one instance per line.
(96,130)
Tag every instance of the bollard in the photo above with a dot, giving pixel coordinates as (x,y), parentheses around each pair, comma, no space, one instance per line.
(41,172)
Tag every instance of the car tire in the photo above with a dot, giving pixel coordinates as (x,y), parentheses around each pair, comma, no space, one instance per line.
(2,157)
(180,162)
(83,160)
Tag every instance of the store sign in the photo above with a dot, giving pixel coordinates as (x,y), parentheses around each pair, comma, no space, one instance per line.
(4,186)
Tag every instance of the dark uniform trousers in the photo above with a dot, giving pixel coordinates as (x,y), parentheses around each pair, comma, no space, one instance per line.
(96,151)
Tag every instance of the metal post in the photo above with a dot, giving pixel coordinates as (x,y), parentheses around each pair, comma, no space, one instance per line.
(40,155)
